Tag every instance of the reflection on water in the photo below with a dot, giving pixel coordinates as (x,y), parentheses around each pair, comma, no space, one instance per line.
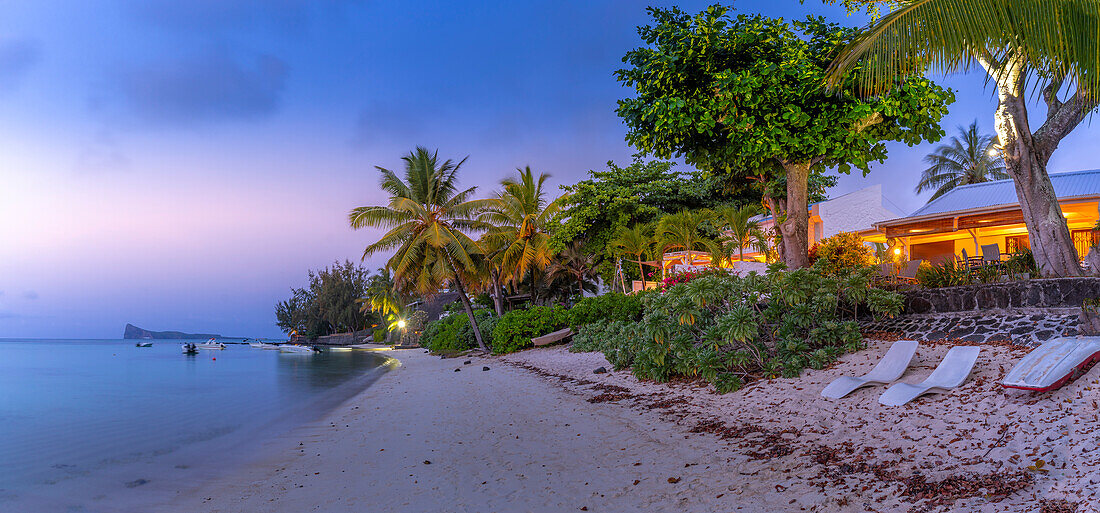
(72,409)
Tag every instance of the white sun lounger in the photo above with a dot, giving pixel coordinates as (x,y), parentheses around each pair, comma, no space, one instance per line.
(889,369)
(950,373)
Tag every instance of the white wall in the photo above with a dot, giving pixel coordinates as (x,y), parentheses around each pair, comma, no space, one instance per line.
(855,211)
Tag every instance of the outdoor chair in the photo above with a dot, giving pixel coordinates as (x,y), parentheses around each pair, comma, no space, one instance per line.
(887,370)
(991,255)
(884,273)
(908,274)
(949,374)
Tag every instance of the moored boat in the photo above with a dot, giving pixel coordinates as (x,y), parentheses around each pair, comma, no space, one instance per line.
(189,348)
(143,344)
(295,348)
(211,344)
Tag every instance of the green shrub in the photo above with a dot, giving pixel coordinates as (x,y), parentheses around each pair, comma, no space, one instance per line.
(730,330)
(606,308)
(515,329)
(841,253)
(454,333)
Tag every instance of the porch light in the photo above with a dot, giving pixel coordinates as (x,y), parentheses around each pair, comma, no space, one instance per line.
(993,151)
(401,324)
(897,251)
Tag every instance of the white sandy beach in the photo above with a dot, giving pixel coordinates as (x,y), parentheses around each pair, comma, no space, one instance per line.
(540,432)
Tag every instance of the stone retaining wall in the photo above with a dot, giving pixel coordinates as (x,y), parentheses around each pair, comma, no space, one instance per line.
(1038,293)
(1022,329)
(345,339)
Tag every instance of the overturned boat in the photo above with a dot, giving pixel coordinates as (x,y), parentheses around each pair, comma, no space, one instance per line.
(1054,364)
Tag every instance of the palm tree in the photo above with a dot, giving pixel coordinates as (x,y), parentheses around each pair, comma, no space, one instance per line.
(426,218)
(634,241)
(681,231)
(1023,45)
(973,158)
(519,219)
(574,263)
(740,230)
(383,299)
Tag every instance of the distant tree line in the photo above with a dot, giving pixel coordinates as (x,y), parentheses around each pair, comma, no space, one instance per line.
(330,303)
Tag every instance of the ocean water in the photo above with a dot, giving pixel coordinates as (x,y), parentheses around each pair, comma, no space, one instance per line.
(102,425)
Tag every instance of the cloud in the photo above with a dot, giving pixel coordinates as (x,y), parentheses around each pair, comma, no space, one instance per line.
(30,294)
(17,57)
(210,87)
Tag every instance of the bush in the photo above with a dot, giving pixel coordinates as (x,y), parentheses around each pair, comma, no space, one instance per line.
(730,330)
(454,333)
(606,308)
(841,253)
(515,329)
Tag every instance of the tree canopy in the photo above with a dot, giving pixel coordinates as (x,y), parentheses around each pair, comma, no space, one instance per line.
(745,97)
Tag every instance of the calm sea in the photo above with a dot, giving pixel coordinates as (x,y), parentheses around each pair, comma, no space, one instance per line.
(102,425)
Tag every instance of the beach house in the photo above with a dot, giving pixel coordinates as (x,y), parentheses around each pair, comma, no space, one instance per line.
(976,215)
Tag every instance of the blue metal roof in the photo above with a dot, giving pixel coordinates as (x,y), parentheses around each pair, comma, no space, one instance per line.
(1003,192)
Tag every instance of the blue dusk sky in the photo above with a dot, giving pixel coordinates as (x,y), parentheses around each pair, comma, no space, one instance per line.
(181,164)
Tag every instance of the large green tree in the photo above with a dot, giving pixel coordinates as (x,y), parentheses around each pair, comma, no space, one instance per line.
(330,303)
(619,197)
(1024,46)
(426,219)
(746,96)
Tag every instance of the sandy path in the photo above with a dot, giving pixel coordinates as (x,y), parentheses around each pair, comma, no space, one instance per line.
(503,440)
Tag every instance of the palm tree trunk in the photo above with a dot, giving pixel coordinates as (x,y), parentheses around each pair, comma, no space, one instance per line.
(466,305)
(498,301)
(641,270)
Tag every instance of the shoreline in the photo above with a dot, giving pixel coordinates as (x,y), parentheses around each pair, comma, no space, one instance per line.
(534,434)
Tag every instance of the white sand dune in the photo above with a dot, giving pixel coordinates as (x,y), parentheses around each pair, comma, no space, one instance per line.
(525,437)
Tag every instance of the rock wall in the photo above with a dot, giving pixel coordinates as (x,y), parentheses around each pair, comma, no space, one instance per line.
(1022,329)
(1024,294)
(346,339)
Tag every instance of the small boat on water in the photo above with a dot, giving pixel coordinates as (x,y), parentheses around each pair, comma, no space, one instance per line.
(143,344)
(211,344)
(295,348)
(262,345)
(189,348)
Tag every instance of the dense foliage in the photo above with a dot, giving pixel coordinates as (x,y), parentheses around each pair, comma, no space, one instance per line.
(730,330)
(606,308)
(329,304)
(953,274)
(515,329)
(745,98)
(454,333)
(842,253)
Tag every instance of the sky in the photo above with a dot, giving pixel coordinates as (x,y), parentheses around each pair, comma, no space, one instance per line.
(180,165)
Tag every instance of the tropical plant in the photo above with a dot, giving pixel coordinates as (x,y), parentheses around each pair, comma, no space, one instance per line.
(576,265)
(841,253)
(454,333)
(328,304)
(745,98)
(636,242)
(515,329)
(606,308)
(681,231)
(519,220)
(731,330)
(1044,46)
(972,157)
(740,230)
(426,218)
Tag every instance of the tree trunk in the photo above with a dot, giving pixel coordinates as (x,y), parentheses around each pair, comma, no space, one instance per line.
(498,301)
(795,229)
(641,270)
(777,207)
(1026,156)
(466,304)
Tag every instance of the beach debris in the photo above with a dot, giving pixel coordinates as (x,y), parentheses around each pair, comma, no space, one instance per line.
(484,369)
(1038,466)
(427,462)
(136,483)
(673,480)
(458,370)
(1057,506)
(467,362)
(600,370)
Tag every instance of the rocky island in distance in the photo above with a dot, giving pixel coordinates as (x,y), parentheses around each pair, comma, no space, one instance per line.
(134,332)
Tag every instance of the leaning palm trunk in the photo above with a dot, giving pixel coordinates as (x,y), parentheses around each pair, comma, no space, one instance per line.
(1026,156)
(466,305)
(498,301)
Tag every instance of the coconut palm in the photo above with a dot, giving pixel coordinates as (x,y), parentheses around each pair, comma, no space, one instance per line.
(681,231)
(426,218)
(971,157)
(634,241)
(741,230)
(1044,46)
(519,218)
(576,264)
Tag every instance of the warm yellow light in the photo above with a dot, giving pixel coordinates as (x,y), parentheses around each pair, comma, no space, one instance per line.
(897,251)
(401,324)
(993,152)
